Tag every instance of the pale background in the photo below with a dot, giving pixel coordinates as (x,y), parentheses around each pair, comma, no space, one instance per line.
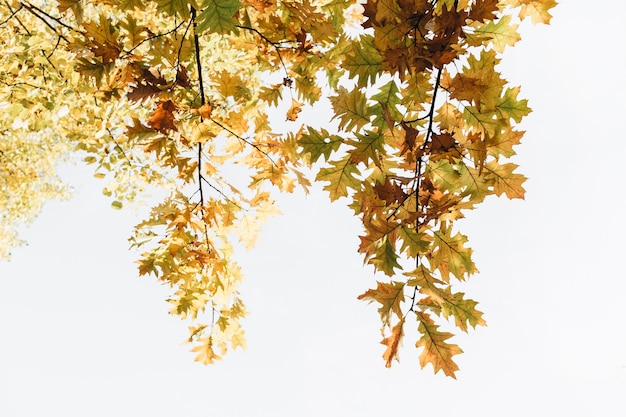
(81,335)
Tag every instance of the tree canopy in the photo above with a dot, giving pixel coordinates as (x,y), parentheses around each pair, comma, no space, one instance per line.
(181,94)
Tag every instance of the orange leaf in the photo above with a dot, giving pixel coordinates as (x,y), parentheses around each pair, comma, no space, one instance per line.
(393,342)
(205,111)
(292,113)
(162,119)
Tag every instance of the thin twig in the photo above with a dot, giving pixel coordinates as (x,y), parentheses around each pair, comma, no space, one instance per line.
(13,13)
(276,45)
(221,193)
(30,8)
(17,18)
(150,38)
(246,141)
(35,11)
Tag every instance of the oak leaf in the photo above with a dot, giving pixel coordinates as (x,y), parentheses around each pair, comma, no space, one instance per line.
(484,10)
(218,16)
(500,33)
(436,350)
(537,10)
(341,176)
(162,119)
(66,4)
(363,60)
(177,7)
(390,296)
(319,142)
(205,352)
(506,181)
(351,109)
(462,310)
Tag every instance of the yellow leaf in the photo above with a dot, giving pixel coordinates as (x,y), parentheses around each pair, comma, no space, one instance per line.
(206,355)
(537,10)
(436,351)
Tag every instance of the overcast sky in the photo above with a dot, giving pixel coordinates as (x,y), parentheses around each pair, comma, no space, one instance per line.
(82,335)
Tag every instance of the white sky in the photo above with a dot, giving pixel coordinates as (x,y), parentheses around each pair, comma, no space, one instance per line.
(82,335)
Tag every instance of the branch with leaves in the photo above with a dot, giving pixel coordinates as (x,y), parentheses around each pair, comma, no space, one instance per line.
(176,95)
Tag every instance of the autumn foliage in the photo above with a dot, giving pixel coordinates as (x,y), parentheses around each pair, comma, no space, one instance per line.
(178,95)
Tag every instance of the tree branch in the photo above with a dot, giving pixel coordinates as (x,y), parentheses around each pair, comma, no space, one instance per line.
(148,39)
(44,16)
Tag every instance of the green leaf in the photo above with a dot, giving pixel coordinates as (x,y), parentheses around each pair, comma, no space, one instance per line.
(463,310)
(474,183)
(450,256)
(500,33)
(341,176)
(176,7)
(384,257)
(510,107)
(217,16)
(351,109)
(427,284)
(413,243)
(369,146)
(318,142)
(486,121)
(363,60)
(389,99)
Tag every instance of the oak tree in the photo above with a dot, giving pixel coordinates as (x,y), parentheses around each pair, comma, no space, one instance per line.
(179,94)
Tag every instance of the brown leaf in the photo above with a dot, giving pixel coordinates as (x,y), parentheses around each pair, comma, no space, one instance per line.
(143,91)
(108,52)
(410,134)
(484,10)
(148,84)
(444,146)
(162,118)
(442,143)
(182,77)
(390,192)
